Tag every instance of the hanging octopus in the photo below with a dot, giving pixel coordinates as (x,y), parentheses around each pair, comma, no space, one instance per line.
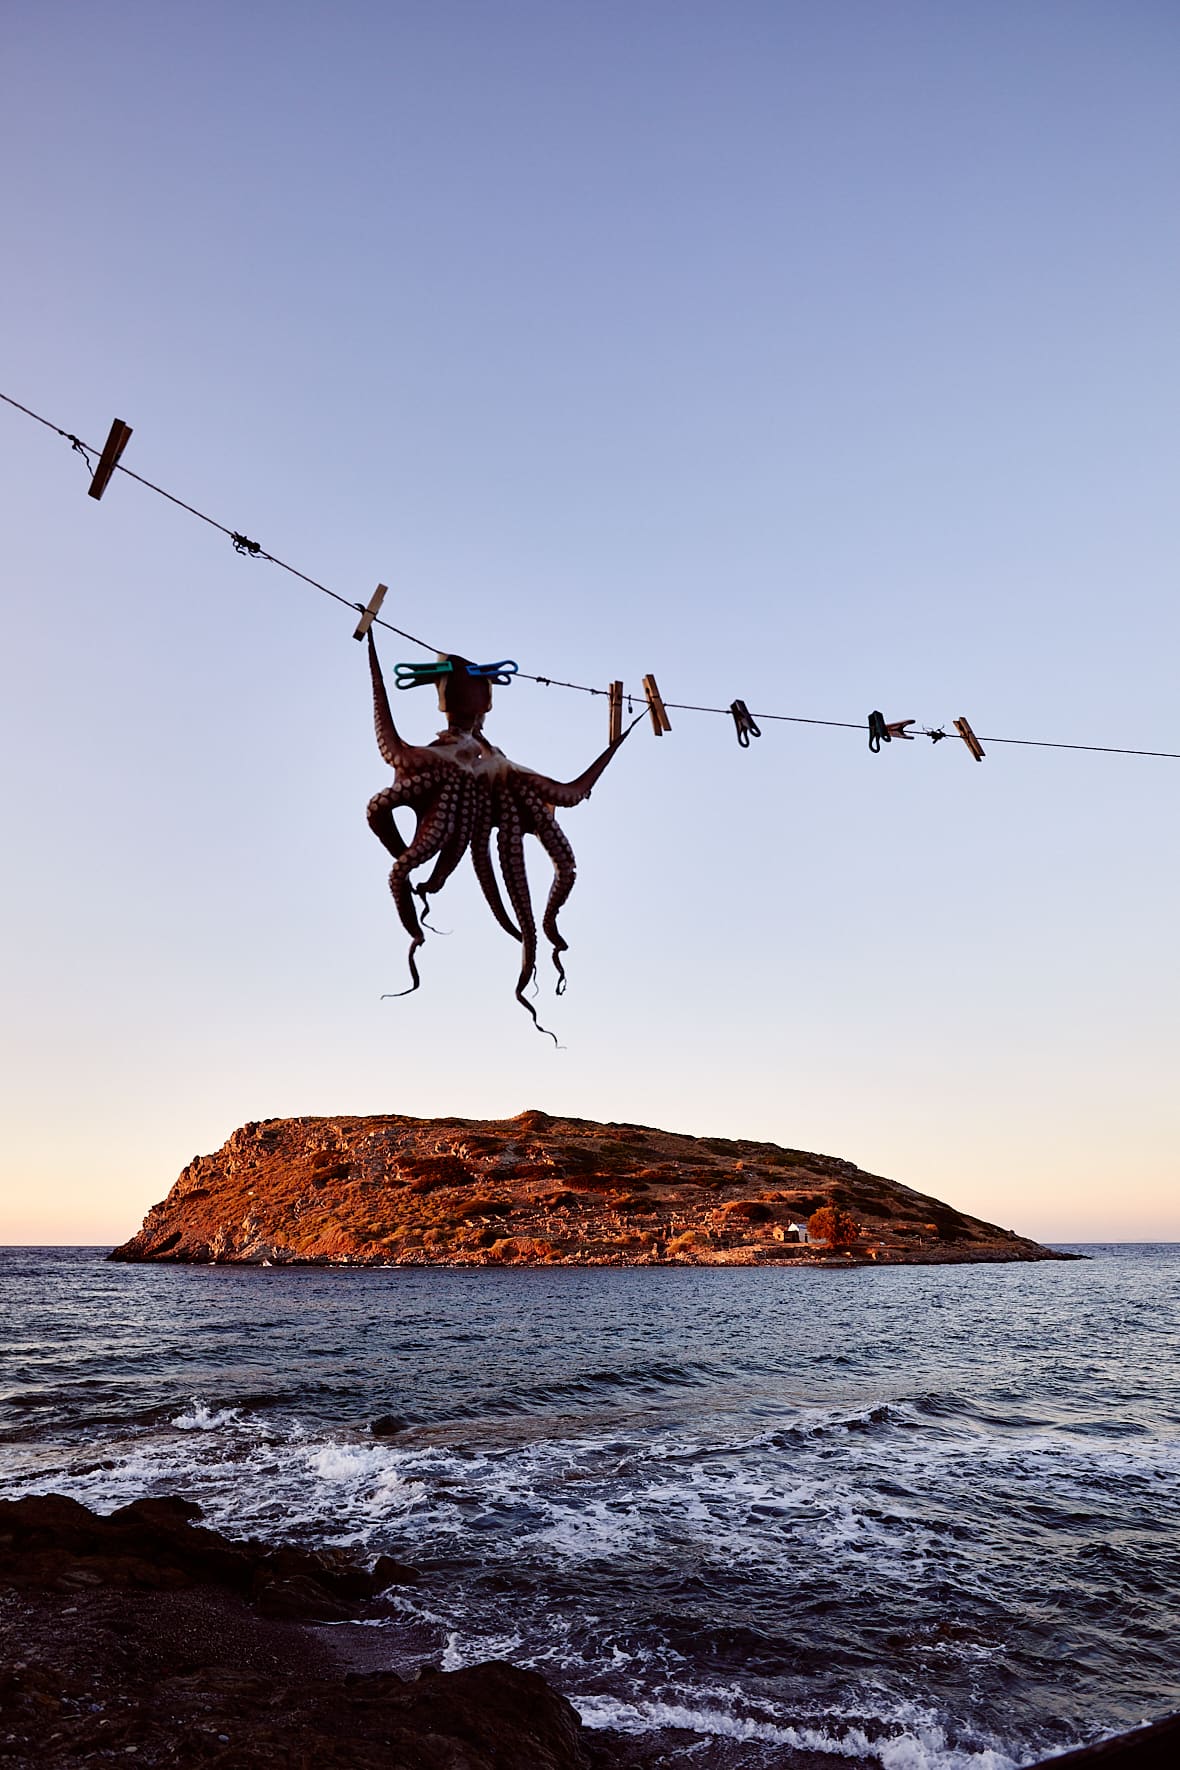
(461,788)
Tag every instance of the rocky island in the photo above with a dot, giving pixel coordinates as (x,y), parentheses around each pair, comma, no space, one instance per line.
(540,1190)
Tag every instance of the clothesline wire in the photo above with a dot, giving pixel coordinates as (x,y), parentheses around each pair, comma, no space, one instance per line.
(257,552)
(231,534)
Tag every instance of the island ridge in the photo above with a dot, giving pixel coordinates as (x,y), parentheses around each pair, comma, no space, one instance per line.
(538,1190)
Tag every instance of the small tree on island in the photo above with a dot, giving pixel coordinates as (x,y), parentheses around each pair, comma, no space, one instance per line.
(838,1228)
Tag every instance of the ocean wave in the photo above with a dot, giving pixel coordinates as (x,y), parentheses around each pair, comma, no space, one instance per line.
(916,1744)
(198,1416)
(632,1496)
(608,1387)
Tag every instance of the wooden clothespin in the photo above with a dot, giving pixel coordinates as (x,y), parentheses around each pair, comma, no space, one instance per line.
(112,448)
(368,615)
(970,739)
(660,722)
(616,711)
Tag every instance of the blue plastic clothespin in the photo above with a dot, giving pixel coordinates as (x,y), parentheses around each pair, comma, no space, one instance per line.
(501,674)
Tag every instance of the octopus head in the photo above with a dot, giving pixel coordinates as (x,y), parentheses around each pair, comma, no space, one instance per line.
(465,699)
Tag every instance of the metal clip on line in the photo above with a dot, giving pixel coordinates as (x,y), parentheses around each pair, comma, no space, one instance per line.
(881,733)
(743,721)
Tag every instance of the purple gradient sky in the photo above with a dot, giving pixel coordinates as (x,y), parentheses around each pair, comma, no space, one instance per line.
(824,356)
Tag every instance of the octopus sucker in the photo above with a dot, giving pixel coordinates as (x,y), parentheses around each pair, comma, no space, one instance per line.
(460,788)
(453,849)
(433,829)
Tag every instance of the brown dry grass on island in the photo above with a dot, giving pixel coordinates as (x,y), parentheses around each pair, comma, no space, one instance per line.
(538,1190)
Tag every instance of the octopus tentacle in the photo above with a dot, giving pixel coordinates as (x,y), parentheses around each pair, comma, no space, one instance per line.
(555,842)
(380,812)
(414,789)
(434,825)
(481,858)
(454,848)
(573,792)
(392,747)
(510,841)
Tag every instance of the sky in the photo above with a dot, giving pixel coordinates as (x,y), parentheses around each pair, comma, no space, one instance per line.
(823,356)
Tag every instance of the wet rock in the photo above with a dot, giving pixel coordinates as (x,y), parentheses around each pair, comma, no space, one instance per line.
(387,1425)
(217,1669)
(156,1544)
(299,1599)
(78,1695)
(1156,1747)
(389,1572)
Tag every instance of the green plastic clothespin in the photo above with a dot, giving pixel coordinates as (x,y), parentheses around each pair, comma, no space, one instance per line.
(414,675)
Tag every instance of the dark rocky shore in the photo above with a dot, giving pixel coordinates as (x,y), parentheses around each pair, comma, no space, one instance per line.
(144,1637)
(536,1190)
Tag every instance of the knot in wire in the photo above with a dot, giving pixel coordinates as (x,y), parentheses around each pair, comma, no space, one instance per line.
(243,544)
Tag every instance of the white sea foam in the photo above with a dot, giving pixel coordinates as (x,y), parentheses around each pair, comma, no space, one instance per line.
(918,1747)
(463,1650)
(200,1417)
(643,1498)
(675,1493)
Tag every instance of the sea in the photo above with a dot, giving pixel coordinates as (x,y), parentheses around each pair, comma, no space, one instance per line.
(921,1517)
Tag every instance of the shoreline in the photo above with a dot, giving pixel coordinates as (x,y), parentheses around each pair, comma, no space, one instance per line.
(143,1634)
(853,1263)
(780,1263)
